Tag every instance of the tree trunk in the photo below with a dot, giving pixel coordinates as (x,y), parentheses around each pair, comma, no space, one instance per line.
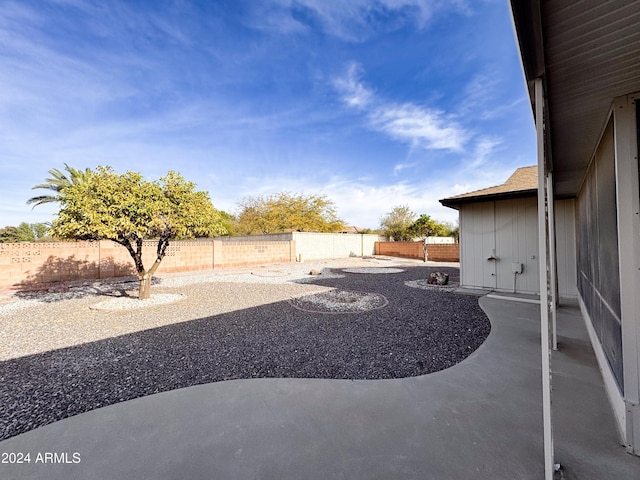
(145,286)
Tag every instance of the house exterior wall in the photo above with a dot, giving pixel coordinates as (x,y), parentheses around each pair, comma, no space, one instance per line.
(565,211)
(516,224)
(507,230)
(608,226)
(477,244)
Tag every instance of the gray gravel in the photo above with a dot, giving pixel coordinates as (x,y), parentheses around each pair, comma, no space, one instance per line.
(61,358)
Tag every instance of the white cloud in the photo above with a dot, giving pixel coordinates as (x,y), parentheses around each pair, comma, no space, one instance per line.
(484,98)
(359,201)
(418,126)
(357,20)
(484,150)
(349,20)
(407,122)
(398,167)
(354,92)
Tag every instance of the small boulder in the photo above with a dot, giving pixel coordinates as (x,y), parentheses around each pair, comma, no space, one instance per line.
(315,272)
(438,278)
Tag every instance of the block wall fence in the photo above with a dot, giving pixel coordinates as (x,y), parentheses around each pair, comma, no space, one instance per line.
(38,265)
(28,266)
(435,253)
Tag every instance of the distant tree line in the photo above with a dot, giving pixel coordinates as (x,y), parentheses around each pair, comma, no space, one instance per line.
(285,212)
(25,232)
(401,225)
(127,209)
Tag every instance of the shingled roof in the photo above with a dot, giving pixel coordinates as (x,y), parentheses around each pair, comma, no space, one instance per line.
(523,183)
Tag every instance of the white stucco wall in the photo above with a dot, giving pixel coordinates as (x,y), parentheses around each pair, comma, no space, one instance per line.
(315,246)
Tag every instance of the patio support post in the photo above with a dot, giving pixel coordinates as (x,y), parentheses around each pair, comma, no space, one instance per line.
(553,267)
(544,257)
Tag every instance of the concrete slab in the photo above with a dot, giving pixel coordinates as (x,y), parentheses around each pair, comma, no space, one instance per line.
(478,420)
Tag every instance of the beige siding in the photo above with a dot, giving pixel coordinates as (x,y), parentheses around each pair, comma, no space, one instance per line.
(477,243)
(517,242)
(508,229)
(566,247)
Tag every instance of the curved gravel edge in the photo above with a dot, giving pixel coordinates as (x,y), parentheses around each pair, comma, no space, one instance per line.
(325,304)
(174,347)
(373,270)
(422,284)
(131,303)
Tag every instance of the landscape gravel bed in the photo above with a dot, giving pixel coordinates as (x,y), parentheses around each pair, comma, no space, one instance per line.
(339,301)
(66,358)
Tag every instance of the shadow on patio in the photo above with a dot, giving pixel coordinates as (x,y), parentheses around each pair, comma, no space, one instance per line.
(480,419)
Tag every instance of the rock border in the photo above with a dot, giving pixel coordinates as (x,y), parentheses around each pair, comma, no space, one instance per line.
(373,270)
(337,301)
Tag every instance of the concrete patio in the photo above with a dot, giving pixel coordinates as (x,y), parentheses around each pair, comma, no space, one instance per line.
(478,420)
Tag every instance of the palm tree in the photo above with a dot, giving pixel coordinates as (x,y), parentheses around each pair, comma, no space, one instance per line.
(58,182)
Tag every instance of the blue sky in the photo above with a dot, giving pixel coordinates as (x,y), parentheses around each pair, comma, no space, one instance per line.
(375,103)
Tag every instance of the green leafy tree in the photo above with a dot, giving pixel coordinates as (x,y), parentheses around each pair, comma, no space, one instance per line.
(228,221)
(452,230)
(57,183)
(127,209)
(9,234)
(25,232)
(397,223)
(425,227)
(284,212)
(40,231)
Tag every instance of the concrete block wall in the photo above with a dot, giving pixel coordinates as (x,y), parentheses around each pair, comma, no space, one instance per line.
(228,253)
(316,246)
(400,249)
(444,252)
(48,262)
(435,253)
(26,266)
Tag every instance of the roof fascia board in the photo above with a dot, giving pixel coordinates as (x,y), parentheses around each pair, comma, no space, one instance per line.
(527,21)
(455,202)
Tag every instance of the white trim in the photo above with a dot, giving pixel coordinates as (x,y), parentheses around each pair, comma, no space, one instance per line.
(513,299)
(610,384)
(553,266)
(543,254)
(628,210)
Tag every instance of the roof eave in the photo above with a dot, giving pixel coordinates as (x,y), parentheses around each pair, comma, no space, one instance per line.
(455,203)
(527,22)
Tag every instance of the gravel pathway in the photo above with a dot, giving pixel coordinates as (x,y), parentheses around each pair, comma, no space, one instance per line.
(60,357)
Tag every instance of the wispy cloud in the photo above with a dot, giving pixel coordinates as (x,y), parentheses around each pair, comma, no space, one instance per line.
(260,109)
(419,126)
(484,97)
(354,92)
(484,150)
(407,122)
(353,20)
(399,167)
(361,198)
